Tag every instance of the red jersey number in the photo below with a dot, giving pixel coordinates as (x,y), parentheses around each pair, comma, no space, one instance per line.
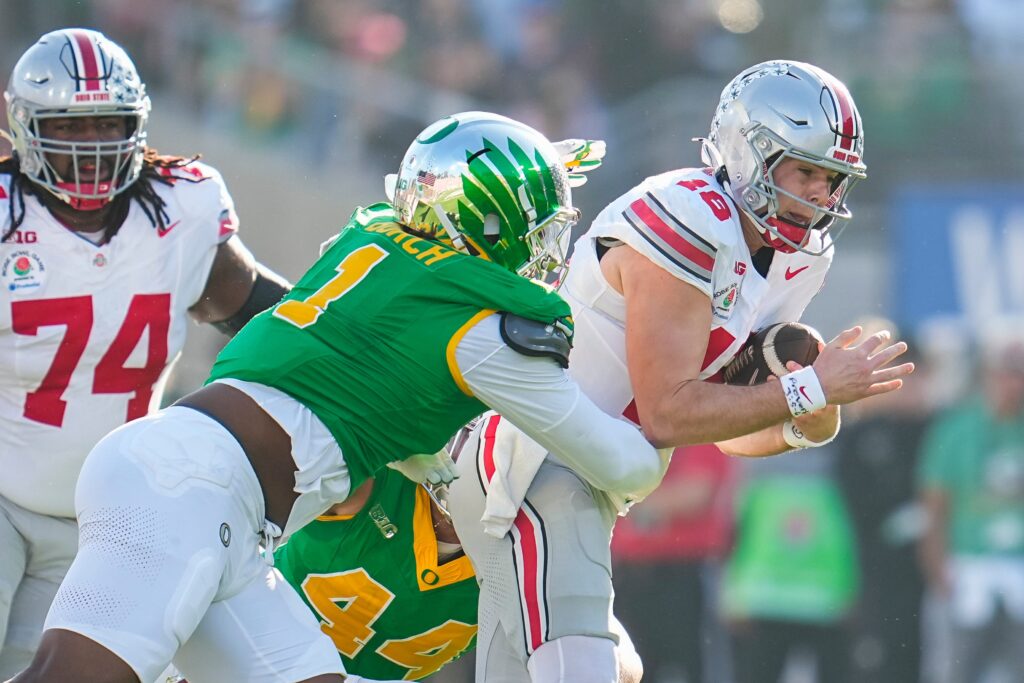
(713,199)
(150,312)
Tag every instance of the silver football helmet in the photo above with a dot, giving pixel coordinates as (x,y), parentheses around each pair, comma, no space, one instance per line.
(778,110)
(488,186)
(72,73)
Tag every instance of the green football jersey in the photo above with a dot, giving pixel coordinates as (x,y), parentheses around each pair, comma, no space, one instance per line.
(374,582)
(367,338)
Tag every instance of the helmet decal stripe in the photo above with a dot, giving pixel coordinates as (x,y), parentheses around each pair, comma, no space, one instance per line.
(847,115)
(535,182)
(504,184)
(485,192)
(547,175)
(88,58)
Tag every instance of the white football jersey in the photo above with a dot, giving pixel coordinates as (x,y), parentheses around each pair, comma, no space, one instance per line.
(88,333)
(684,222)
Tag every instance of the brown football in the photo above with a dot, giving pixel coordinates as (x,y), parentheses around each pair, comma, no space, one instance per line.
(769,349)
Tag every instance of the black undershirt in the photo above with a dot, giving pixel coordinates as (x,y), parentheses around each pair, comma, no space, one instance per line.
(763,260)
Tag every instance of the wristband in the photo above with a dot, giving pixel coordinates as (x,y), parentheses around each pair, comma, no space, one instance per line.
(795,438)
(803,392)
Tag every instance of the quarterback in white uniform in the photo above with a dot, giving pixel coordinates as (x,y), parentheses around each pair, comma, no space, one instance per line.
(665,287)
(107,250)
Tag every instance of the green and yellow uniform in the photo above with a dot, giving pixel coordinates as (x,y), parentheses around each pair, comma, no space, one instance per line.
(367,338)
(374,582)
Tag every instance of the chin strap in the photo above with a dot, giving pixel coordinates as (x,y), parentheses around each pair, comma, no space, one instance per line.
(84,203)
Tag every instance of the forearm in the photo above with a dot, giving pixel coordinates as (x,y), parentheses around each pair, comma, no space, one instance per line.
(701,412)
(765,442)
(808,431)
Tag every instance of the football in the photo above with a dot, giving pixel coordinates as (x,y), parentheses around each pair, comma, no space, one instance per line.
(769,349)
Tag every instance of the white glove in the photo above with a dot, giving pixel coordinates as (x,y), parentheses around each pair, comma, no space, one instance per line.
(437,468)
(580,157)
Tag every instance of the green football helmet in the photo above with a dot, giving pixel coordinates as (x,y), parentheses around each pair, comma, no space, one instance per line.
(490,187)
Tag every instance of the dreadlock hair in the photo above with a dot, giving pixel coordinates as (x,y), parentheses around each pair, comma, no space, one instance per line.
(154,170)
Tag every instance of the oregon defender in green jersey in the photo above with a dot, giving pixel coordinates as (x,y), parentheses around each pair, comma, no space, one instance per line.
(377,355)
(413,321)
(390,604)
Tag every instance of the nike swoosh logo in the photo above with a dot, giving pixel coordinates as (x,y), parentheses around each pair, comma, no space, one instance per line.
(795,122)
(160,232)
(790,274)
(803,390)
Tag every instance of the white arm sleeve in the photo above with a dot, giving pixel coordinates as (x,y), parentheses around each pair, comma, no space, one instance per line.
(540,398)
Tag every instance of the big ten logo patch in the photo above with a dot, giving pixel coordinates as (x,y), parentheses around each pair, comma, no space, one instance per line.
(24,237)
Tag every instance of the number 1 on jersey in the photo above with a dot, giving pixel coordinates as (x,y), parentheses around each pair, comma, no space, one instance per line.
(351,271)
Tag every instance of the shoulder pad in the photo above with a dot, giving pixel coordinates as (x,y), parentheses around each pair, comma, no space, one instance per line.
(533,338)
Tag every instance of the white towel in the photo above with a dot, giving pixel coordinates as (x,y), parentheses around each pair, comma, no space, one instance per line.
(510,459)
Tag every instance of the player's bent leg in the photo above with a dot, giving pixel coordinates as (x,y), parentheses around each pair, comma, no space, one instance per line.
(550,576)
(263,634)
(68,656)
(574,659)
(170,515)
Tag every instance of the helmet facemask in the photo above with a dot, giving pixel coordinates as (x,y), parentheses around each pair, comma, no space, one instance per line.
(116,164)
(760,200)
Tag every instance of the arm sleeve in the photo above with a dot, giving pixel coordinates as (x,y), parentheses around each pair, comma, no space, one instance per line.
(540,398)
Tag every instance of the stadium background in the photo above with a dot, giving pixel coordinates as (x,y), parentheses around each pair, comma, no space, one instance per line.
(305,105)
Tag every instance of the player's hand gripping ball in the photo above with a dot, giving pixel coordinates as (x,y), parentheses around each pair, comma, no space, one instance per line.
(769,349)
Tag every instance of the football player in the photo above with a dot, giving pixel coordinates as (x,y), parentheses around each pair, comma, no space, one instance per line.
(106,250)
(665,287)
(415,319)
(387,578)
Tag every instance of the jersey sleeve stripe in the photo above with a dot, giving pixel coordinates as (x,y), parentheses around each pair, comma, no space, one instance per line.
(668,253)
(675,247)
(679,237)
(693,237)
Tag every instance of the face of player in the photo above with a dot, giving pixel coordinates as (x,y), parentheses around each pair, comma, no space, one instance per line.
(811,183)
(84,129)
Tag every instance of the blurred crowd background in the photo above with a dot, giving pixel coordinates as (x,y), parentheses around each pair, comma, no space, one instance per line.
(893,555)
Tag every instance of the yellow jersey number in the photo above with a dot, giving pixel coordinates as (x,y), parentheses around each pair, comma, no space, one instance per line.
(350,602)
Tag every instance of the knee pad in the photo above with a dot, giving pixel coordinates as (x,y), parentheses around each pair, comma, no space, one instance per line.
(574,659)
(192,596)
